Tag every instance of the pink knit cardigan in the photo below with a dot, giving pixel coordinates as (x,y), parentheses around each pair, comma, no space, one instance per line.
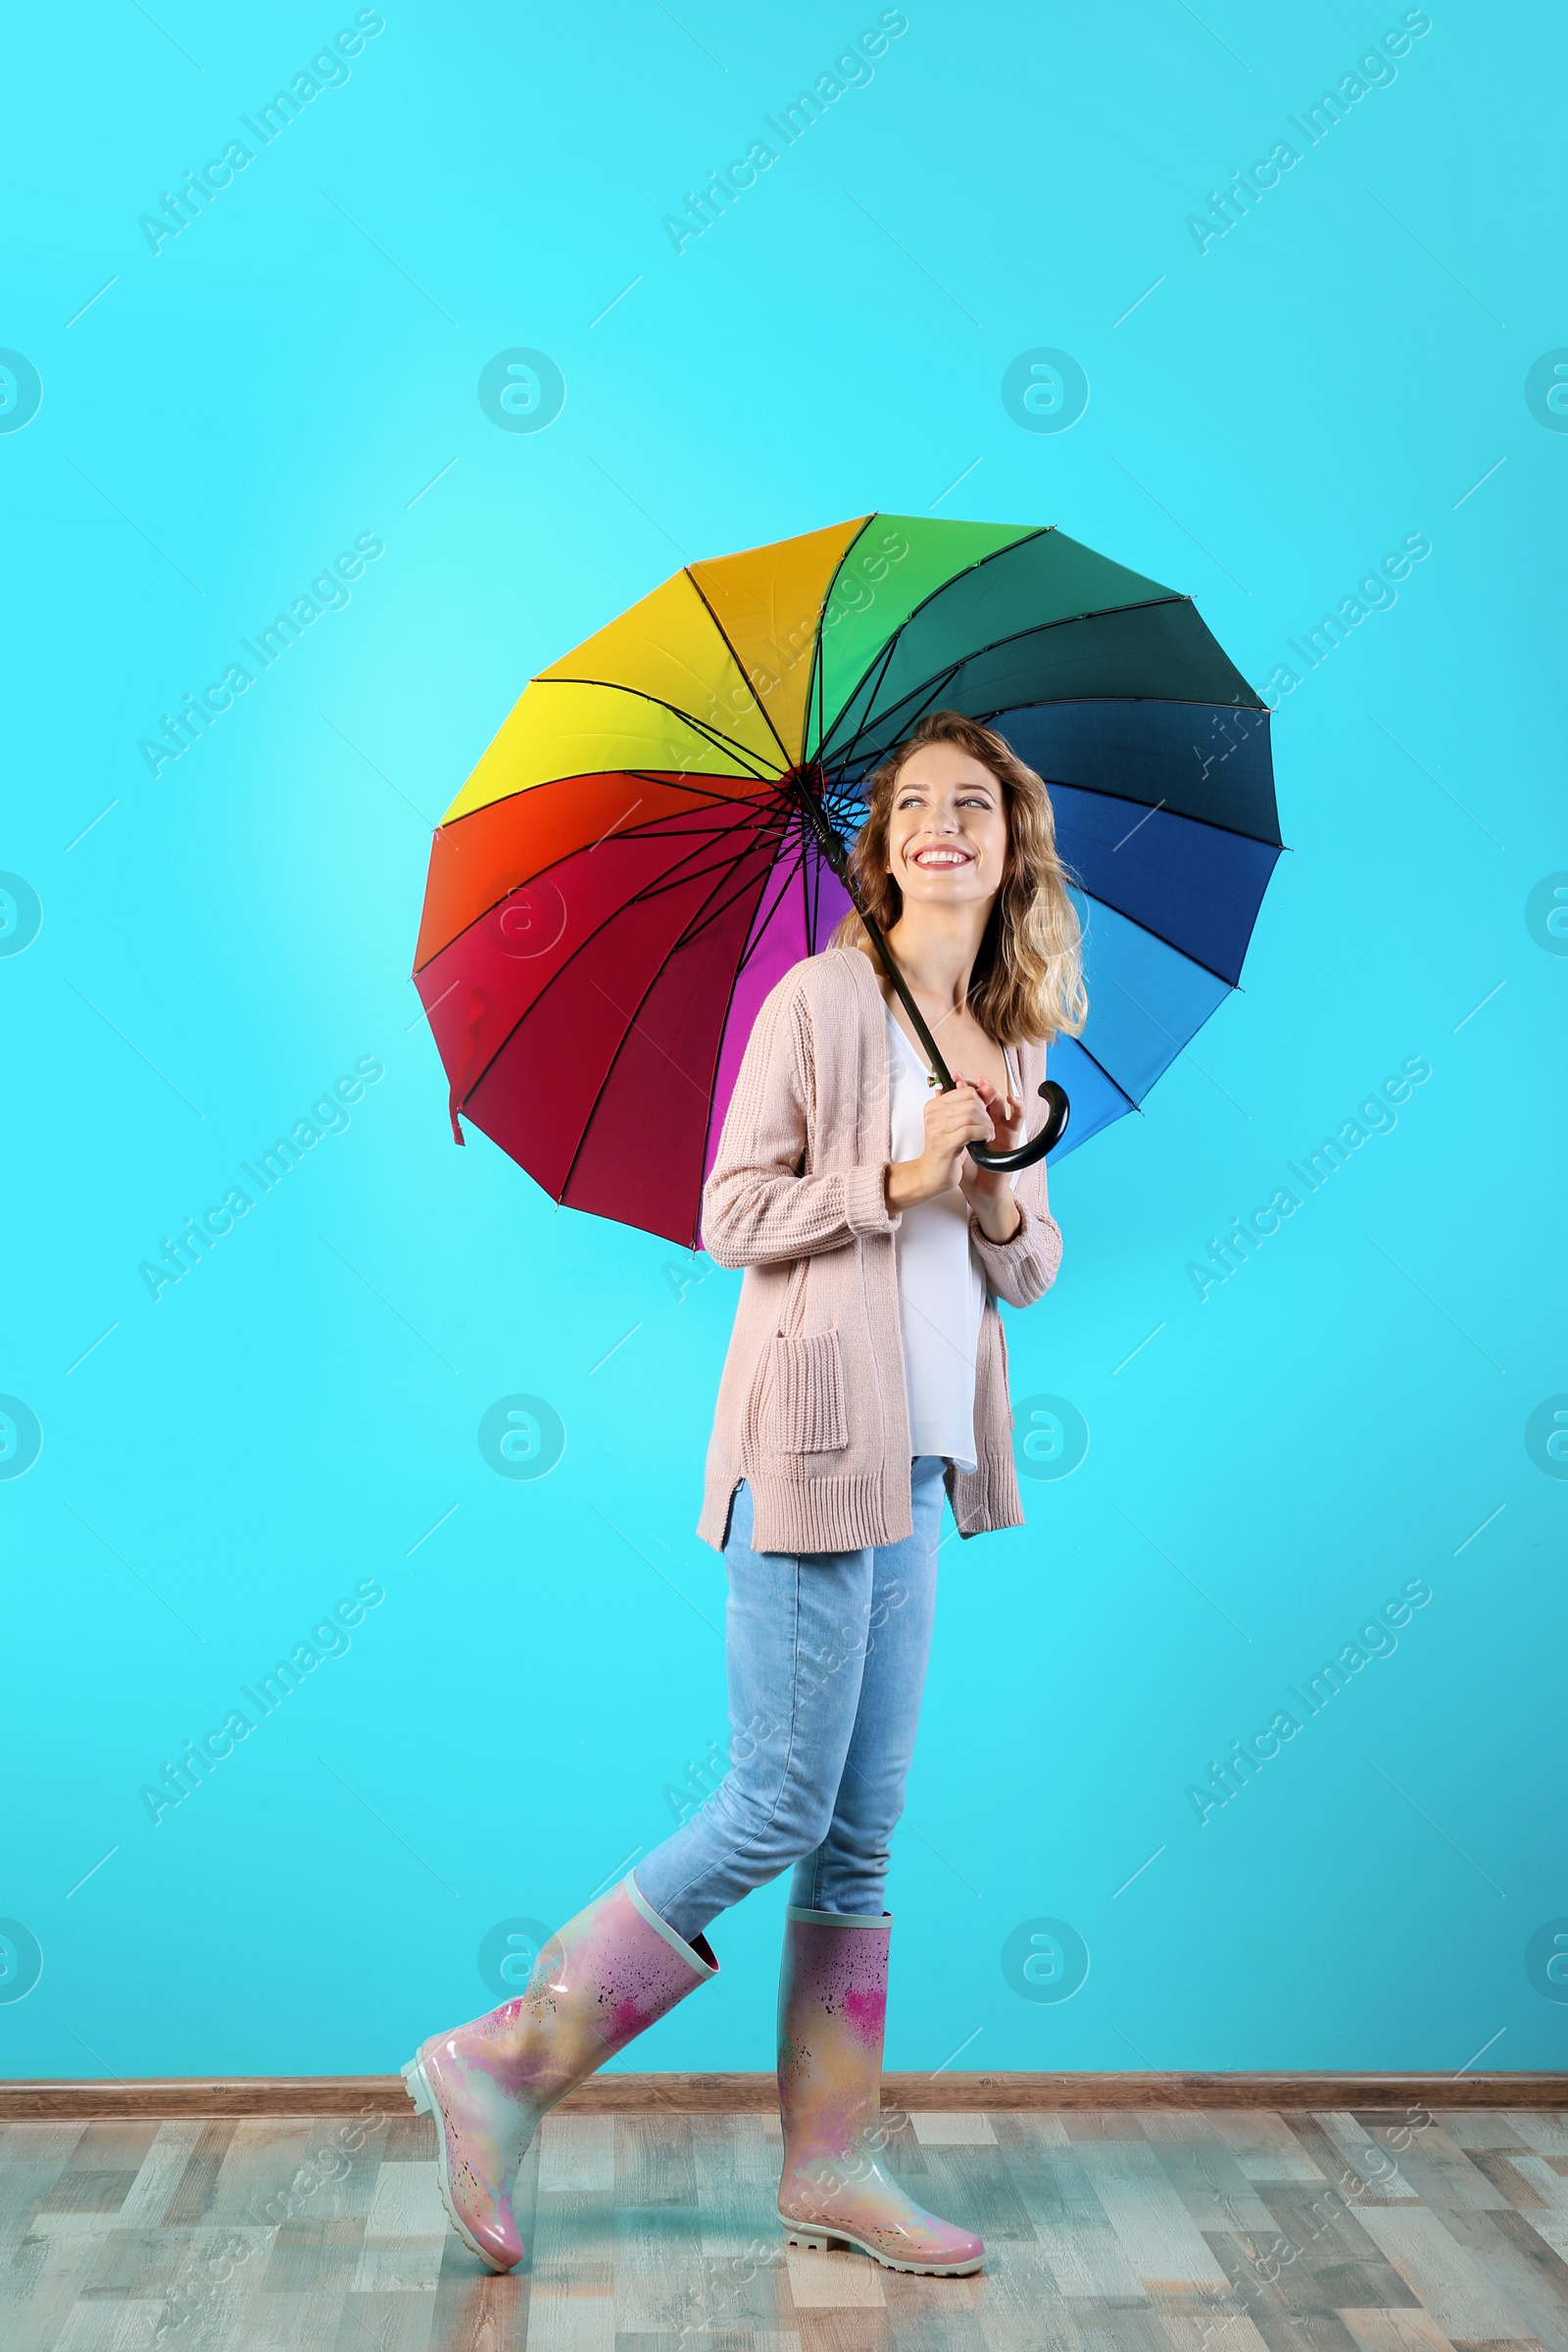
(812,1413)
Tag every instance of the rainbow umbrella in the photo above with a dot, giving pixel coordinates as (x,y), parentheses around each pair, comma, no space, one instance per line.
(658,831)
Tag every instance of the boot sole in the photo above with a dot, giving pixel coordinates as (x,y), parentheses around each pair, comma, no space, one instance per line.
(820,2241)
(417,2085)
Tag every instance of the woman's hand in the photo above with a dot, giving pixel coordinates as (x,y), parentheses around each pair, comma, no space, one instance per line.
(953,1123)
(988,1192)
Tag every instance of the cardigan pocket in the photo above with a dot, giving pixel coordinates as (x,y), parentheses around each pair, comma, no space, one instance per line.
(803,1410)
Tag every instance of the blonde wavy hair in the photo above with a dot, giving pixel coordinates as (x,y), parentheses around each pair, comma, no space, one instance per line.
(1027,985)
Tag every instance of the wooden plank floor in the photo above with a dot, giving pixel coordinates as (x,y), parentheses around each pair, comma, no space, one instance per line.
(1230,2231)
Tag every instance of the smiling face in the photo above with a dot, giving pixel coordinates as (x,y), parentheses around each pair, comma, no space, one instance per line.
(947,829)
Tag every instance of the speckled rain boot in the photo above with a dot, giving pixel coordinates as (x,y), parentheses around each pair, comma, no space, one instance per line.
(832,2006)
(613,1970)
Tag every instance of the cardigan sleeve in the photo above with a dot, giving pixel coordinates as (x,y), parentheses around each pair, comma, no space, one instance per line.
(758,1207)
(1023,1269)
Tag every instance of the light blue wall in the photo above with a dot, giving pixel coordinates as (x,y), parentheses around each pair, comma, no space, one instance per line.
(1266,1466)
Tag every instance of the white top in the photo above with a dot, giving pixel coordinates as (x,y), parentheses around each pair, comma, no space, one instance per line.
(942,1288)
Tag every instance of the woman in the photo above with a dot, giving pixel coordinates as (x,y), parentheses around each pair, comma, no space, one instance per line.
(866,1376)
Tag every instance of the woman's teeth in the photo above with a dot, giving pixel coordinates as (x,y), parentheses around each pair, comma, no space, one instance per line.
(942,858)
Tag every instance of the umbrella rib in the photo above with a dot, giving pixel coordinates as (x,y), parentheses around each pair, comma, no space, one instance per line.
(636,898)
(815,684)
(816,901)
(923,698)
(1068,620)
(711,911)
(930,598)
(1180,814)
(1197,960)
(755,933)
(683,872)
(713,1077)
(799,863)
(679,876)
(741,666)
(681,779)
(644,832)
(884,659)
(1016,636)
(632,1022)
(672,779)
(786,874)
(757,822)
(698,726)
(1131,1100)
(786,883)
(817,629)
(620,685)
(1066,784)
(1098,898)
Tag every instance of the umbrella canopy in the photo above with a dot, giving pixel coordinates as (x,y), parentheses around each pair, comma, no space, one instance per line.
(638,856)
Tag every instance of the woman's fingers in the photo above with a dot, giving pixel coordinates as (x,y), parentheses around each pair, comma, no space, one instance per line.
(957,1119)
(980,1109)
(960,1108)
(1006,1109)
(998,1103)
(994,1100)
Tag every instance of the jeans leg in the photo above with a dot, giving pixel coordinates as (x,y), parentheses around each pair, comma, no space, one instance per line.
(847,1872)
(794,1648)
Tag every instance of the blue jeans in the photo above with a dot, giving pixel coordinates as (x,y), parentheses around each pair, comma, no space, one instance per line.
(826,1657)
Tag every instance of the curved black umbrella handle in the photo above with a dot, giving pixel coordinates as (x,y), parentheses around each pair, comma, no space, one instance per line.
(1008,1163)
